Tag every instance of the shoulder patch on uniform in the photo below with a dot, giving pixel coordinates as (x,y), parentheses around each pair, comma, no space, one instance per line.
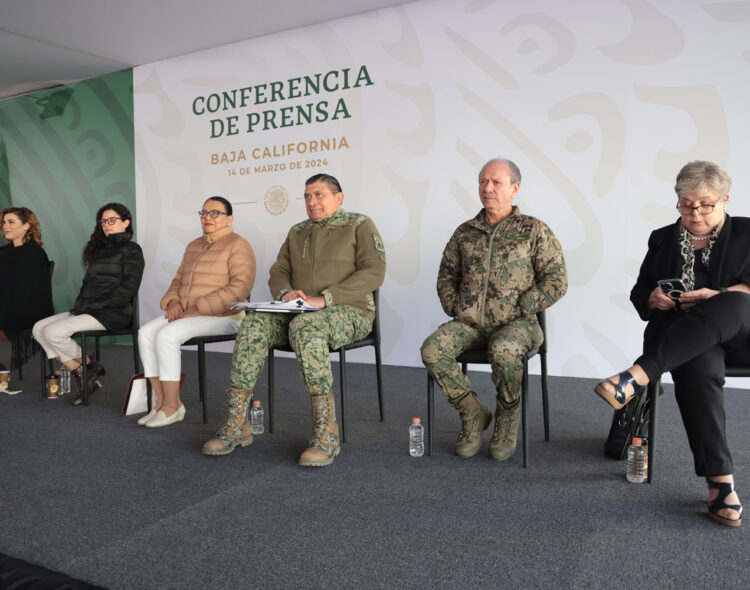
(377,243)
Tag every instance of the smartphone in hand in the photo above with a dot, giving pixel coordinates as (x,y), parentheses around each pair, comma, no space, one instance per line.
(673,288)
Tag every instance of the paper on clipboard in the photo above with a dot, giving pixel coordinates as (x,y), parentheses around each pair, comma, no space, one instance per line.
(295,306)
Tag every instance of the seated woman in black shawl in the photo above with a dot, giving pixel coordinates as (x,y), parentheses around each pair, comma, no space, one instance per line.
(26,295)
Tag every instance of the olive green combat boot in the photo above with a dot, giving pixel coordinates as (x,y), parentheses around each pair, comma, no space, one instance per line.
(503,442)
(475,417)
(324,441)
(236,428)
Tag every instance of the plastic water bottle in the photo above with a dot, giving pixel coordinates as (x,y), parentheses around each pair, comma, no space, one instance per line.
(64,380)
(636,462)
(256,418)
(416,438)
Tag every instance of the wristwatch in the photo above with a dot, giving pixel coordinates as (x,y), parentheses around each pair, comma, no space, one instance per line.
(724,290)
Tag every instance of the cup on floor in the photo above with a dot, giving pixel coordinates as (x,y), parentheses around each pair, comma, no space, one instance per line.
(53,386)
(4,379)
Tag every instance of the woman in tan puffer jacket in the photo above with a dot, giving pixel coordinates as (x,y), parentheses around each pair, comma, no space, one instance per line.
(217,269)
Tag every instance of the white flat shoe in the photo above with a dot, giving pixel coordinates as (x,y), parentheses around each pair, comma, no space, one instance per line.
(143,419)
(161,419)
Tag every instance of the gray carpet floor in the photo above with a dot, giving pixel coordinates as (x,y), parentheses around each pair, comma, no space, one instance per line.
(85,491)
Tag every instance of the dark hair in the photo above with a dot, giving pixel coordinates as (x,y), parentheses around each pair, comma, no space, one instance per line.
(98,239)
(331,181)
(25,215)
(223,201)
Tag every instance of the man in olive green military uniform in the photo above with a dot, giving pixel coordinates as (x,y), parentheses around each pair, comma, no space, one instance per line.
(498,271)
(334,261)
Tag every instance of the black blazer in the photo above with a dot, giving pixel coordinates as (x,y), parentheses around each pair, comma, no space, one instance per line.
(111,281)
(729,263)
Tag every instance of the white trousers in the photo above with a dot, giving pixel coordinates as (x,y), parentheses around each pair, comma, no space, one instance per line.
(54,332)
(159,341)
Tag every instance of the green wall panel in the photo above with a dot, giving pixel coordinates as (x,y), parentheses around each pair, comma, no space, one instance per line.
(65,152)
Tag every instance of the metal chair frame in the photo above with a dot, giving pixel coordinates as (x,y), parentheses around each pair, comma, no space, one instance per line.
(200,342)
(653,397)
(372,339)
(84,335)
(479,356)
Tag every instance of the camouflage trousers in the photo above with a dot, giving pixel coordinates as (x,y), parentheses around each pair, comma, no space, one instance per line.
(311,336)
(506,348)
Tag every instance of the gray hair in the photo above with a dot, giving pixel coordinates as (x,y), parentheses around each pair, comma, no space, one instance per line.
(702,174)
(515,172)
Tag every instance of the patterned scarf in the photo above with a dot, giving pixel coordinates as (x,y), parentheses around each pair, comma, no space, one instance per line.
(688,254)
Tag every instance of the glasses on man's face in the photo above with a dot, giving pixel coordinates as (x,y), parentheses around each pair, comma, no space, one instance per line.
(700,209)
(213,214)
(108,221)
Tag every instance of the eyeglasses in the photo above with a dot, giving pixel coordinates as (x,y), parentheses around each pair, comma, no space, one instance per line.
(701,209)
(213,214)
(108,221)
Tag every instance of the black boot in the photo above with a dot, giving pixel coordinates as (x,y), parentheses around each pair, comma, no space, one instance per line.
(93,371)
(78,376)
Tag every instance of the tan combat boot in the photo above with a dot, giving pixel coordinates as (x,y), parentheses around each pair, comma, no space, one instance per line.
(324,441)
(236,429)
(475,417)
(503,442)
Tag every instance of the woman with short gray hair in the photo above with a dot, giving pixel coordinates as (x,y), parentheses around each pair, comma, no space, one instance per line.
(698,319)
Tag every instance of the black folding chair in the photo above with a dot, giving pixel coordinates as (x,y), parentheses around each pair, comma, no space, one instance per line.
(84,335)
(653,396)
(372,339)
(200,342)
(479,357)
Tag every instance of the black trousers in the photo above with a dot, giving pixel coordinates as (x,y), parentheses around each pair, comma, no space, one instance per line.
(695,346)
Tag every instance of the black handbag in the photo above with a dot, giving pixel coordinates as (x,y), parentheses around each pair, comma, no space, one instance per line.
(629,421)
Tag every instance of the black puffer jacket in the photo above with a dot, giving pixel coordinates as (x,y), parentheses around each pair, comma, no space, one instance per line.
(111,281)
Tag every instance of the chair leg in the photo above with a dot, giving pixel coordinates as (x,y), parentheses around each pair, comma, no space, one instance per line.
(271,386)
(84,369)
(524,412)
(43,358)
(342,377)
(653,395)
(202,378)
(545,397)
(430,410)
(378,369)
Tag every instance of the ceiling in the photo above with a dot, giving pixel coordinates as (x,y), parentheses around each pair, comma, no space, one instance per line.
(44,43)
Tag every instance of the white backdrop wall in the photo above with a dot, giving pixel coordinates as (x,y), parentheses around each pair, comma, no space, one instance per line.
(600,102)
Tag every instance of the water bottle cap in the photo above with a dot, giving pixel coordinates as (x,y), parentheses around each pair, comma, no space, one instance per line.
(637,440)
(256,402)
(416,420)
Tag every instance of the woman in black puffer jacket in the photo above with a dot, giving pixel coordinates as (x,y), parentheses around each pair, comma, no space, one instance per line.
(114,267)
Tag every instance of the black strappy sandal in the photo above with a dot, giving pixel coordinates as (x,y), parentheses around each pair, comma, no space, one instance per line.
(719,503)
(619,398)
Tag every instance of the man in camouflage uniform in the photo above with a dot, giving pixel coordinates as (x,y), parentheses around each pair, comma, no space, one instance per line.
(334,261)
(498,270)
